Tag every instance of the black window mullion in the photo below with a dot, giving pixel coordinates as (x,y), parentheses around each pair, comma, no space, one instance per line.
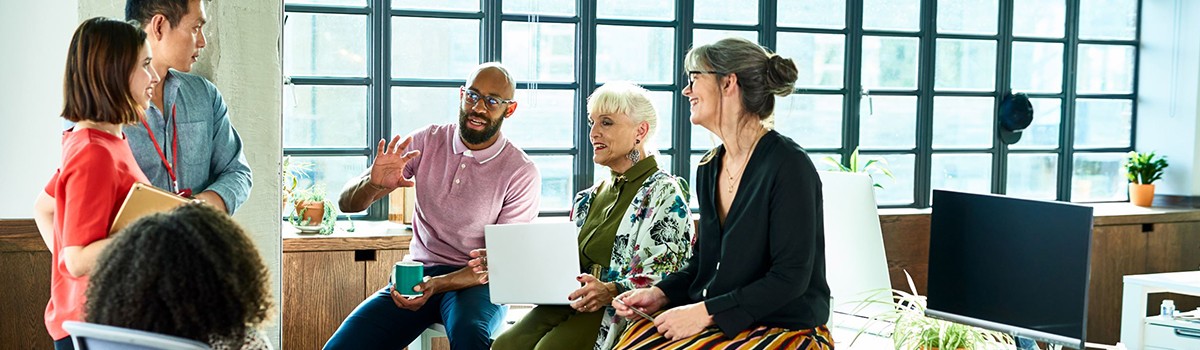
(490,31)
(379,60)
(1003,83)
(852,81)
(766,21)
(1066,130)
(682,140)
(925,73)
(1137,58)
(585,77)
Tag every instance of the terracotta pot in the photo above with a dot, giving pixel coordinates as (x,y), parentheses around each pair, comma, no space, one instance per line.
(1141,194)
(313,211)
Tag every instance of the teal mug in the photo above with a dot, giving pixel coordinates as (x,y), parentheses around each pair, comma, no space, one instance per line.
(406,275)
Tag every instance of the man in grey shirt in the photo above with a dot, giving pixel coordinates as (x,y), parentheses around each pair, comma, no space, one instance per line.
(186,144)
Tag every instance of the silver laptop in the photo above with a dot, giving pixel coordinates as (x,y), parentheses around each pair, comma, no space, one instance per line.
(533,263)
(855,262)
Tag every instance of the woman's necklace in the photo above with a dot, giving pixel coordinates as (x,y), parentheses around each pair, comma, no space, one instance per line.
(733,183)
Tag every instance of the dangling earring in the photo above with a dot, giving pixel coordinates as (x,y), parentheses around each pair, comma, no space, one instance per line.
(634,155)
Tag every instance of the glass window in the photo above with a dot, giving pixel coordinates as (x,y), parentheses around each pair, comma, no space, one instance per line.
(557,187)
(544,119)
(636,9)
(434,48)
(1039,18)
(1037,67)
(703,139)
(967,16)
(822,161)
(1033,176)
(889,63)
(962,172)
(898,191)
(1098,177)
(437,5)
(695,163)
(539,51)
(1042,133)
(331,173)
(1102,123)
(1105,69)
(325,116)
(541,7)
(601,173)
(356,3)
(963,122)
(414,108)
(888,122)
(325,45)
(709,36)
(819,58)
(638,54)
(812,13)
(663,107)
(966,65)
(814,121)
(894,15)
(727,11)
(1108,19)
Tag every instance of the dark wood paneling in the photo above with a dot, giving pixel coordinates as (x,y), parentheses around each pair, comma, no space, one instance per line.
(1173,247)
(20,235)
(319,291)
(379,270)
(906,243)
(26,280)
(344,241)
(1117,251)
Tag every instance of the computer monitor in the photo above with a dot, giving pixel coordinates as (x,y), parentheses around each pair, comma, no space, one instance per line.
(1012,265)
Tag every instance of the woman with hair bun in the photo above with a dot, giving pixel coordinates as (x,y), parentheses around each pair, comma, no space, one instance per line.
(756,276)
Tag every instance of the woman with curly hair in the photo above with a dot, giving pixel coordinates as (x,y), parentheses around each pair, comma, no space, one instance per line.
(190,272)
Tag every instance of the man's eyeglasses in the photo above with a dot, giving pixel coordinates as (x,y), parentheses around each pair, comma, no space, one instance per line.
(691,76)
(490,102)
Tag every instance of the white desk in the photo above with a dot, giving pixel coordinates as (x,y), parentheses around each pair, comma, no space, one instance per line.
(1133,299)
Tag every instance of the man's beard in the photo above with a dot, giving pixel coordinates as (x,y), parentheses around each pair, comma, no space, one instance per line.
(473,137)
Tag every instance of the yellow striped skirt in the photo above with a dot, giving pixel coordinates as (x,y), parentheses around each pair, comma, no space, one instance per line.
(641,334)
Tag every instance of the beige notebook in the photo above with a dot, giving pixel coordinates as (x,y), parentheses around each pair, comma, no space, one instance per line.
(144,200)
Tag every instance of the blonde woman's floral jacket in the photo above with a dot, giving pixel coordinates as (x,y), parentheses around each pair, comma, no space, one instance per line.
(654,239)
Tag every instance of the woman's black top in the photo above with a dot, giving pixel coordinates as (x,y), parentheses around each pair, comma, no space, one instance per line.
(766,266)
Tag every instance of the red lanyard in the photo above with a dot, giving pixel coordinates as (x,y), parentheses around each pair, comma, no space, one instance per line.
(174,148)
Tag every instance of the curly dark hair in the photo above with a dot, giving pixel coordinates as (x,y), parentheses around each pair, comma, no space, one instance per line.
(191,272)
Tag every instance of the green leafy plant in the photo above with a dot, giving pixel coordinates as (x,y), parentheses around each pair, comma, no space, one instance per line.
(911,329)
(1142,168)
(293,172)
(870,167)
(303,199)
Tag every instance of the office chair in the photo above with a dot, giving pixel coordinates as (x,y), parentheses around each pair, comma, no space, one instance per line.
(90,336)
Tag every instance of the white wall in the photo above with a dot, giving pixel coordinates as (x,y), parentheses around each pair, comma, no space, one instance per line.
(1169,90)
(35,36)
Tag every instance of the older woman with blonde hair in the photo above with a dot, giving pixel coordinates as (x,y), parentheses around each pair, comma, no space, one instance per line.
(634,228)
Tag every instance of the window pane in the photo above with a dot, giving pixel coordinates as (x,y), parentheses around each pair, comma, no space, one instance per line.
(437,5)
(1037,67)
(358,3)
(1043,132)
(889,63)
(663,102)
(1108,19)
(968,16)
(695,162)
(601,173)
(434,48)
(539,51)
(702,139)
(888,122)
(812,13)
(1033,176)
(1102,123)
(636,9)
(557,189)
(966,65)
(709,36)
(821,161)
(416,107)
(1039,18)
(544,119)
(814,121)
(325,116)
(962,122)
(541,7)
(332,173)
(819,58)
(900,190)
(727,11)
(898,15)
(325,45)
(1105,69)
(638,54)
(961,172)
(1098,177)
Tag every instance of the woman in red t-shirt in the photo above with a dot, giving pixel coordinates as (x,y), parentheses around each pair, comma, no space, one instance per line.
(107,84)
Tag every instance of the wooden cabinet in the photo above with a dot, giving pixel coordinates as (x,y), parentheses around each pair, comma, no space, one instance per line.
(25,276)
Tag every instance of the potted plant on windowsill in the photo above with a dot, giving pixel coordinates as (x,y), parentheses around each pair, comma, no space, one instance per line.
(293,172)
(1143,169)
(912,330)
(870,167)
(314,213)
